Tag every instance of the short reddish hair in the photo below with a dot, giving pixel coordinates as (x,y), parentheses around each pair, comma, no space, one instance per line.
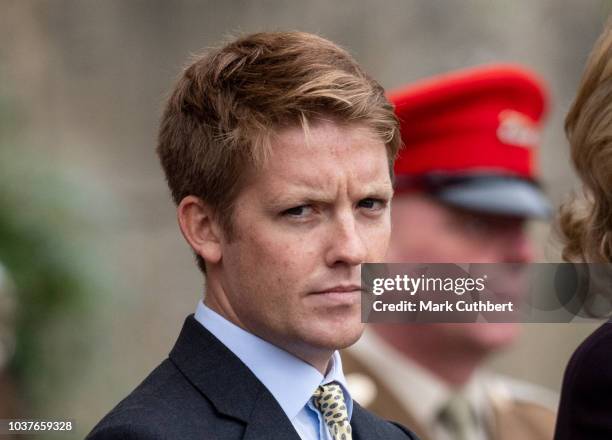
(226,105)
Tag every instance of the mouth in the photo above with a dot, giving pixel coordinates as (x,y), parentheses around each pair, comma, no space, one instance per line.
(344,294)
(341,288)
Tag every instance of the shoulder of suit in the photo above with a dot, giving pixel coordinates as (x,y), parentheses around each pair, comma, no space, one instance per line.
(162,406)
(411,435)
(129,431)
(508,392)
(367,420)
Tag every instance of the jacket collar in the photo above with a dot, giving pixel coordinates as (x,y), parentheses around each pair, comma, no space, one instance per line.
(229,385)
(289,379)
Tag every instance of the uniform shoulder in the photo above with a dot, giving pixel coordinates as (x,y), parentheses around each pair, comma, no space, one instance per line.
(508,391)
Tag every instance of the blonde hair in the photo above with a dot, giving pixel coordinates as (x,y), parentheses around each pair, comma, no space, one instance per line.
(586,221)
(227,105)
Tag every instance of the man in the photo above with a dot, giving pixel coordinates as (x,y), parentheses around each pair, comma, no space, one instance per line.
(465,188)
(278,151)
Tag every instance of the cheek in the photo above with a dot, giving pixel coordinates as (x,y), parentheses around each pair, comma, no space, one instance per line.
(489,335)
(295,250)
(416,243)
(280,262)
(377,240)
(472,249)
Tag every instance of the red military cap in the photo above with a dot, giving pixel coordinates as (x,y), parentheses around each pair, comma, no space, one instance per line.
(471,138)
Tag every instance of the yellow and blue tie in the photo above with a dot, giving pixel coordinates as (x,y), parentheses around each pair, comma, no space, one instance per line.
(329,400)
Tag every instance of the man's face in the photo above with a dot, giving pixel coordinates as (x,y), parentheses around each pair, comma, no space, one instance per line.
(425,230)
(302,226)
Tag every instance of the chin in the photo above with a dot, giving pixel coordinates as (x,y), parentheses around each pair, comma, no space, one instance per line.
(494,337)
(336,337)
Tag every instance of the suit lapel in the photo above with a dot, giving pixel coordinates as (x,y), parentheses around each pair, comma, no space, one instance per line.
(269,421)
(368,427)
(229,384)
(361,430)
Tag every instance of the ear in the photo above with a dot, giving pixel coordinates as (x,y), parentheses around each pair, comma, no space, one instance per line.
(199,228)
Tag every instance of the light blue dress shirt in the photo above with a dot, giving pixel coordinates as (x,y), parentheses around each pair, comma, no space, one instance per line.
(289,379)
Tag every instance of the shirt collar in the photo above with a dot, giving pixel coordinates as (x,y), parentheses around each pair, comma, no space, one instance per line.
(289,379)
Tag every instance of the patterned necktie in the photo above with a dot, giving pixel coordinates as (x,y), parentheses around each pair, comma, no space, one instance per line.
(329,400)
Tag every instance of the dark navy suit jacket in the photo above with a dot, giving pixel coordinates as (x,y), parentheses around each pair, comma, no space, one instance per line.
(585,409)
(203,391)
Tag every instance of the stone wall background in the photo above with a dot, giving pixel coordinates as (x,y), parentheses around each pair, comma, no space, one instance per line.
(88,80)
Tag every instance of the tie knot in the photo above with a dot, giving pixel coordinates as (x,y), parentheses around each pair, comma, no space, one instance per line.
(328,395)
(459,416)
(329,400)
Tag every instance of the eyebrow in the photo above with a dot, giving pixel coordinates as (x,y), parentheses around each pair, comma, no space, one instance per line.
(298,194)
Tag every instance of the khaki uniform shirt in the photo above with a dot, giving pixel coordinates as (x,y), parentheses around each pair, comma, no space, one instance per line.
(395,387)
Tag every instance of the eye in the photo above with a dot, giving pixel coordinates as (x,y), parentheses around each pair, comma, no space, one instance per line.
(372,204)
(479,226)
(476,224)
(297,211)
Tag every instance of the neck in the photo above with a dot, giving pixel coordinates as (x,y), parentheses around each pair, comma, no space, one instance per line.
(317,357)
(449,362)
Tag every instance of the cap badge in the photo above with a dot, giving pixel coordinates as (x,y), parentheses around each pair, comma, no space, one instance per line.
(517,129)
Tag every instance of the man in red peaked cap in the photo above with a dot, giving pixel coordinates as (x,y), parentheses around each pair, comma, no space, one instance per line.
(466,185)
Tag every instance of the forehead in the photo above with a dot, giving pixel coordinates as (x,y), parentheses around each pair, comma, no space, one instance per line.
(326,150)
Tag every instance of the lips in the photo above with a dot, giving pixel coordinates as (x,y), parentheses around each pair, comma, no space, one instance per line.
(340,289)
(339,295)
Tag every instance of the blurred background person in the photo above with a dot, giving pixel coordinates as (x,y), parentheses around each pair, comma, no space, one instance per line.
(466,186)
(585,409)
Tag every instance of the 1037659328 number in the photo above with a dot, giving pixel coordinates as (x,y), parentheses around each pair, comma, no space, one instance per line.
(14,426)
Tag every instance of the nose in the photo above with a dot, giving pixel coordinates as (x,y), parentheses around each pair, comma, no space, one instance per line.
(346,243)
(518,246)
